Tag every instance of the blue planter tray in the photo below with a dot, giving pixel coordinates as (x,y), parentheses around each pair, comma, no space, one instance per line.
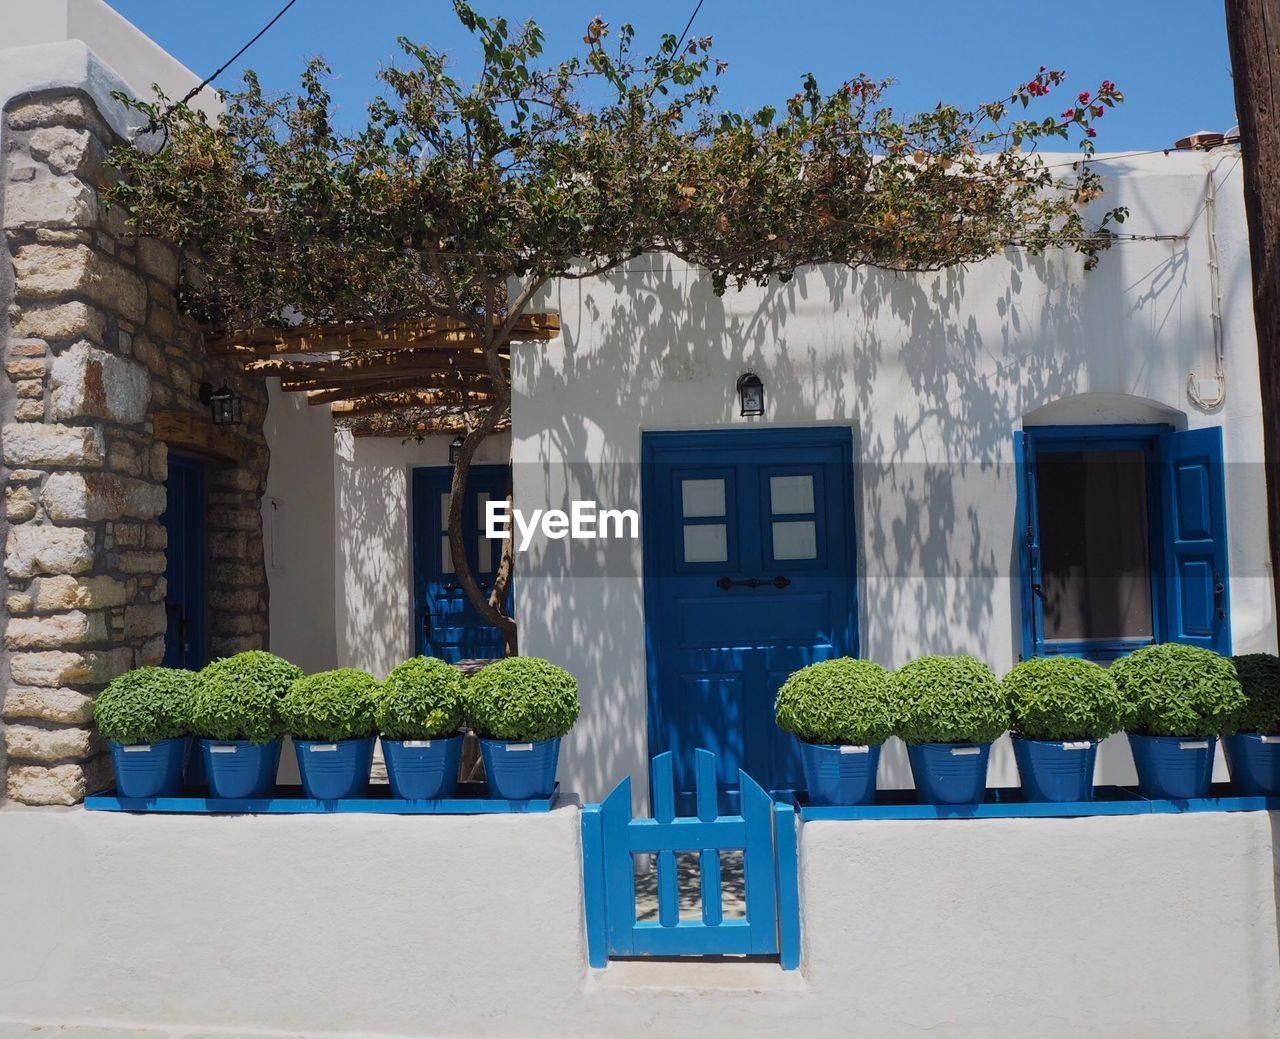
(289,800)
(1222,798)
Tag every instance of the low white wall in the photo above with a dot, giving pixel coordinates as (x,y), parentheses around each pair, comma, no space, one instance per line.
(472,926)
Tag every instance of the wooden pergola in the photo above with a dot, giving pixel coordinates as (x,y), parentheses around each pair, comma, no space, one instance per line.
(416,377)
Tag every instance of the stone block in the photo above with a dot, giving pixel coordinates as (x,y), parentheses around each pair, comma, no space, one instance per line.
(91,383)
(25,368)
(53,271)
(140,562)
(99,496)
(53,444)
(89,593)
(53,631)
(65,149)
(29,411)
(49,203)
(32,549)
(65,706)
(19,504)
(159,260)
(36,785)
(17,604)
(52,668)
(151,653)
(147,621)
(31,743)
(59,112)
(60,322)
(30,389)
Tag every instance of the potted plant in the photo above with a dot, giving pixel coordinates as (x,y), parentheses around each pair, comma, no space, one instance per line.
(235,710)
(145,717)
(1060,709)
(419,713)
(520,708)
(950,710)
(840,712)
(1183,698)
(330,717)
(1253,751)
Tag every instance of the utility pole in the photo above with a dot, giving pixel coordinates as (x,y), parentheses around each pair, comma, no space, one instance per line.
(1253,30)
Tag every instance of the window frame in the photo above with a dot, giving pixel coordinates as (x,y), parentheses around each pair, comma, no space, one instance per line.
(1031,444)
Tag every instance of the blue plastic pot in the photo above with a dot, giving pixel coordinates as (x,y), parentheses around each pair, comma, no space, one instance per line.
(422,770)
(519,771)
(1254,761)
(149,769)
(1173,767)
(333,769)
(239,769)
(1056,770)
(837,775)
(949,773)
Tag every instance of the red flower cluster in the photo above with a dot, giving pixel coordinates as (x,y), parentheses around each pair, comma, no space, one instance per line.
(1108,87)
(1084,97)
(1037,89)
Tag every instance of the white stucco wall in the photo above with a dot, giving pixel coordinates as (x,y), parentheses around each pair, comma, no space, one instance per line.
(934,374)
(464,927)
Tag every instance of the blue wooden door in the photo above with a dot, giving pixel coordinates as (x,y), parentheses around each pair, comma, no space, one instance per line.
(749,575)
(446,624)
(184,523)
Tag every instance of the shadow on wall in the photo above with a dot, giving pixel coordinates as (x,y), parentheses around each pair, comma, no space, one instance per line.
(933,383)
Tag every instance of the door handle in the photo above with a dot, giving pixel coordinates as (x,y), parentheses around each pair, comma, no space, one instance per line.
(725,583)
(1219,590)
(1039,592)
(426,622)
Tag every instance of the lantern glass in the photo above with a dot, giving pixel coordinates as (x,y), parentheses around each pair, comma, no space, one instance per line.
(751,394)
(224,404)
(455,450)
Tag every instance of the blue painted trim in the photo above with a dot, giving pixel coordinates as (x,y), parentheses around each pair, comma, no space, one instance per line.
(1007,803)
(289,801)
(1137,431)
(787,858)
(593,886)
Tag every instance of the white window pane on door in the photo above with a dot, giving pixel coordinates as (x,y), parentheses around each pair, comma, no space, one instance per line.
(446,555)
(444,512)
(702,498)
(789,495)
(795,539)
(706,543)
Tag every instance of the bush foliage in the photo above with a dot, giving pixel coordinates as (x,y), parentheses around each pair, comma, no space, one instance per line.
(522,698)
(238,698)
(1259,675)
(146,706)
(331,705)
(949,700)
(420,700)
(842,701)
(1063,698)
(1177,690)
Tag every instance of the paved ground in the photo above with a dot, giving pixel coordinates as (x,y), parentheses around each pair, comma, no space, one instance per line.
(732,889)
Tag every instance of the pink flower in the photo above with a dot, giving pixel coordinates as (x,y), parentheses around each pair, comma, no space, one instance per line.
(1098,111)
(1068,113)
(1092,132)
(1084,97)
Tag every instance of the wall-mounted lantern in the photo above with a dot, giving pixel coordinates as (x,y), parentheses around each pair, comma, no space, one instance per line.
(224,403)
(455,450)
(751,393)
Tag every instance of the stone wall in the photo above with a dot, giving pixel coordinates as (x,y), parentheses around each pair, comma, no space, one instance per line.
(94,346)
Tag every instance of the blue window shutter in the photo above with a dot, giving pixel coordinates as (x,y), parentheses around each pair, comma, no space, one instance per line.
(1194,522)
(1023,456)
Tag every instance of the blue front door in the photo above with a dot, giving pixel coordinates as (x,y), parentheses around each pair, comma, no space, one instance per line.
(446,624)
(749,575)
(184,523)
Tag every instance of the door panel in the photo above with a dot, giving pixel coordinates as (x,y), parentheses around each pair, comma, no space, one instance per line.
(748,577)
(446,624)
(184,601)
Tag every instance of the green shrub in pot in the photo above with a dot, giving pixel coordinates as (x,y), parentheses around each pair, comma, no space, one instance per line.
(1253,750)
(145,716)
(1060,708)
(148,705)
(235,709)
(526,699)
(331,706)
(420,700)
(840,712)
(1183,698)
(949,710)
(238,698)
(1065,698)
(520,708)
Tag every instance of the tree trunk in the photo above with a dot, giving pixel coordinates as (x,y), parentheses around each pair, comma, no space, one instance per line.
(1253,30)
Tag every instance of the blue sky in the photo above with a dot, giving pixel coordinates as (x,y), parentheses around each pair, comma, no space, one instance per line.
(1169,56)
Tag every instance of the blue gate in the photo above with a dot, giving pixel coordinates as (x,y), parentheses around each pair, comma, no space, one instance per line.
(765,833)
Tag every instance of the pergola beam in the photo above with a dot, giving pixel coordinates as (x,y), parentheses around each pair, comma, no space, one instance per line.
(411,334)
(390,365)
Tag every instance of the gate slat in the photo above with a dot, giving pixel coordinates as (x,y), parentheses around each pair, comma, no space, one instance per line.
(787,855)
(708,811)
(593,886)
(620,874)
(758,868)
(664,811)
